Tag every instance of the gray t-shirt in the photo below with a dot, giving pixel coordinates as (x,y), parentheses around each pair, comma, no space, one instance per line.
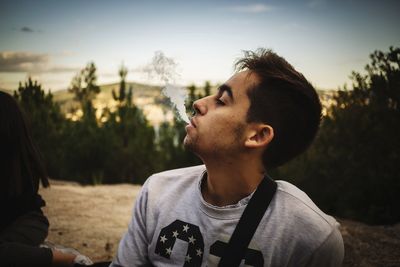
(172,225)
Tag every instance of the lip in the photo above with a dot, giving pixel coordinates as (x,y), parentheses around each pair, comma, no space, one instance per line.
(193,123)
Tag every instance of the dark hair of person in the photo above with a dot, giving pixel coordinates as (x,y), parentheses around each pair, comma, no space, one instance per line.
(21,165)
(286,101)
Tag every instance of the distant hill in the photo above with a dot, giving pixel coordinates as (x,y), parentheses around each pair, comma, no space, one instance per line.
(146,97)
(105,95)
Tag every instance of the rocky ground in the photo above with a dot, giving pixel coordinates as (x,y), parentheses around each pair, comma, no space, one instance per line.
(92,220)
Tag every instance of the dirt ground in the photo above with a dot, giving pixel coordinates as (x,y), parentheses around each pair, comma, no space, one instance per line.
(92,220)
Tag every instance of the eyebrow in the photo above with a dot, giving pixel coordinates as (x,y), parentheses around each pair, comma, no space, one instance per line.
(226,88)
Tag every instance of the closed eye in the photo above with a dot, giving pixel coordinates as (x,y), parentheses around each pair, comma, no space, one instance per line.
(219,102)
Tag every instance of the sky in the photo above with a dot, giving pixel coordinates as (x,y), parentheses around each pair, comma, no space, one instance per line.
(323,39)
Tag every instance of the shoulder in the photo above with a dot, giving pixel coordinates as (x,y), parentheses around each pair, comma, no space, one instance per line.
(296,202)
(306,224)
(173,181)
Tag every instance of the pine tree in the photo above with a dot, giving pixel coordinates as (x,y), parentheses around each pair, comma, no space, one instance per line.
(85,89)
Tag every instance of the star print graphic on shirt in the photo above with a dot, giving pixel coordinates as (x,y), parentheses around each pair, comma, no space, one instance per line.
(187,232)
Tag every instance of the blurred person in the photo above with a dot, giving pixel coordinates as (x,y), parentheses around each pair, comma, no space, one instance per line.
(266,114)
(23,226)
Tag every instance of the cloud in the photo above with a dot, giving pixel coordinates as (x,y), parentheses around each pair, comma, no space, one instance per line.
(22,61)
(251,8)
(27,29)
(11,61)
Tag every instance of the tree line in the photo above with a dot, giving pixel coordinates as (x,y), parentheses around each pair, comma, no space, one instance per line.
(119,147)
(352,169)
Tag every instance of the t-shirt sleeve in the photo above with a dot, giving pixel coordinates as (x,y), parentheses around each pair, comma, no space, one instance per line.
(330,253)
(132,249)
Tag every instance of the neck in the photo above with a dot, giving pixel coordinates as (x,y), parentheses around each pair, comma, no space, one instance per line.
(230,181)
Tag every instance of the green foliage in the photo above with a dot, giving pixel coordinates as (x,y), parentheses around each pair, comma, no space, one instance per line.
(207,88)
(87,149)
(123,97)
(85,89)
(135,150)
(121,149)
(352,170)
(170,146)
(44,118)
(191,98)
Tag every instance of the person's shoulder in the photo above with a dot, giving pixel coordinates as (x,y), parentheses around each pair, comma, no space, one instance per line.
(305,220)
(299,203)
(315,233)
(162,187)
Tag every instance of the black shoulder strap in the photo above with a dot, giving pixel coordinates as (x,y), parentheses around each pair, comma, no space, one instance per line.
(248,223)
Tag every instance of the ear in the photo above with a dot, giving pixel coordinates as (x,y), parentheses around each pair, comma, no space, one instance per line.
(259,136)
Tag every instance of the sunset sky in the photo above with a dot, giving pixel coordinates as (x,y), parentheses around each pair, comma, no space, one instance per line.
(325,40)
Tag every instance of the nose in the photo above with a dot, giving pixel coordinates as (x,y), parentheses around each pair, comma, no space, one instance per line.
(200,107)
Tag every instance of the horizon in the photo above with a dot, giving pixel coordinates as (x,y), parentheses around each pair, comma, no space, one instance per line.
(325,40)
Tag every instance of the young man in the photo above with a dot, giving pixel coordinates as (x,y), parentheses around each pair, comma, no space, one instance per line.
(263,116)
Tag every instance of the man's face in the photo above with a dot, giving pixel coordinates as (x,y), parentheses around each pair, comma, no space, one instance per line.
(220,122)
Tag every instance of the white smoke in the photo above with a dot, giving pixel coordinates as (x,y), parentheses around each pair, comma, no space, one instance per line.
(178,96)
(164,69)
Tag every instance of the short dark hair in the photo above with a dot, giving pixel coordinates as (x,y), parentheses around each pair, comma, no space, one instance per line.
(283,99)
(21,164)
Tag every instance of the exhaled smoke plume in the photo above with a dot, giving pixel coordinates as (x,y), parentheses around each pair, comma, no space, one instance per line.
(164,69)
(177,95)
